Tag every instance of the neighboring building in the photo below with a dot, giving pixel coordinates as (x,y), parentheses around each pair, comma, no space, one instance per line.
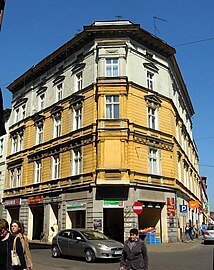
(205,209)
(103,122)
(2,124)
(2,5)
(3,155)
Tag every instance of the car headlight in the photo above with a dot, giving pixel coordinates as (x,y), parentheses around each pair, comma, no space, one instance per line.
(104,247)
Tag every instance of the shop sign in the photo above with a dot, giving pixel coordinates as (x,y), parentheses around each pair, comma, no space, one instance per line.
(193,204)
(137,208)
(35,200)
(73,206)
(12,202)
(171,207)
(113,204)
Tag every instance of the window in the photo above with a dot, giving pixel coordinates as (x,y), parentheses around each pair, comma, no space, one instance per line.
(14,148)
(150,82)
(41,102)
(185,174)
(20,141)
(112,107)
(18,176)
(59,89)
(179,168)
(20,113)
(77,118)
(77,162)
(38,171)
(12,178)
(17,115)
(17,141)
(1,146)
(153,161)
(79,81)
(39,133)
(15,175)
(152,117)
(112,67)
(55,167)
(57,125)
(23,111)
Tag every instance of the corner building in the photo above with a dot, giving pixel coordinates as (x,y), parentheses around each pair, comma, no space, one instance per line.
(102,122)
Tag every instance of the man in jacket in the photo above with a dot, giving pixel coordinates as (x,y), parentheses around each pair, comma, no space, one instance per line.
(134,255)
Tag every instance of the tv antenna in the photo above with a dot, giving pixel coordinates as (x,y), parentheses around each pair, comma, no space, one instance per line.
(119,17)
(155,27)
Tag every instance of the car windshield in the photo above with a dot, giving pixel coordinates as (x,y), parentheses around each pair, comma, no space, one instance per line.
(93,235)
(210,227)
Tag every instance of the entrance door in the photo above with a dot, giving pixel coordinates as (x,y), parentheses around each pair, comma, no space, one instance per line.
(38,220)
(114,223)
(77,218)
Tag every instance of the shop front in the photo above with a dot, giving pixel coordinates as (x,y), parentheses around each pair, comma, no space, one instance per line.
(76,214)
(113,211)
(36,218)
(12,208)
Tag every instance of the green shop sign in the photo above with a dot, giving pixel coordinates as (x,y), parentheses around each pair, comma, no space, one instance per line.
(113,204)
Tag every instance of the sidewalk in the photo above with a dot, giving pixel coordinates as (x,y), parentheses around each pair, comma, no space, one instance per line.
(173,247)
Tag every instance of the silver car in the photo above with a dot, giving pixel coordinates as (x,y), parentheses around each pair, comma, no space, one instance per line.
(85,243)
(209,234)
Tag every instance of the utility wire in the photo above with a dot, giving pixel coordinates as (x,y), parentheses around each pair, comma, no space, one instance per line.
(204,138)
(206,165)
(193,42)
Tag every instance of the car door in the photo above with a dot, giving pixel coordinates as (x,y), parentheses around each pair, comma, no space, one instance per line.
(63,241)
(76,245)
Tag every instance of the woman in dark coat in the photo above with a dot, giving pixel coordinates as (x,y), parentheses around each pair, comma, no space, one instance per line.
(134,255)
(6,245)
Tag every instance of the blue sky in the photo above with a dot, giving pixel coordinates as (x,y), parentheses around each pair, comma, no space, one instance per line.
(33,29)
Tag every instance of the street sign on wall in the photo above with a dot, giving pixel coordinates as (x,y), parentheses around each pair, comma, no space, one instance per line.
(137,208)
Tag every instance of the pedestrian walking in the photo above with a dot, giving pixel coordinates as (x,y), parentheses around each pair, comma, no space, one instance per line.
(134,255)
(188,232)
(7,240)
(17,229)
(203,229)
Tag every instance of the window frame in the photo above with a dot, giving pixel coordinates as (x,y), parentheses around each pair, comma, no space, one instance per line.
(150,80)
(39,133)
(38,171)
(57,125)
(77,117)
(55,167)
(154,161)
(59,91)
(76,161)
(111,107)
(110,67)
(79,80)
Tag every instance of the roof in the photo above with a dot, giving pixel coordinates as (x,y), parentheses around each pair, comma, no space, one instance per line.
(111,29)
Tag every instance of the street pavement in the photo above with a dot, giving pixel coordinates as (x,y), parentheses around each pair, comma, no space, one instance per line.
(164,256)
(174,247)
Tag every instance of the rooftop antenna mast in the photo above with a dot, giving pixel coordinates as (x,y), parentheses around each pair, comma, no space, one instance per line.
(119,17)
(155,27)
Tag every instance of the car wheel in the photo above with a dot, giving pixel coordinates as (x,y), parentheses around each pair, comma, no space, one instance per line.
(89,255)
(55,252)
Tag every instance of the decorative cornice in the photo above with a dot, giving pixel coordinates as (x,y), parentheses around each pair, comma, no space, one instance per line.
(151,66)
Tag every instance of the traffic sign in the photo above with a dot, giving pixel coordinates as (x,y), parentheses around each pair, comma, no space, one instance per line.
(183,208)
(137,208)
